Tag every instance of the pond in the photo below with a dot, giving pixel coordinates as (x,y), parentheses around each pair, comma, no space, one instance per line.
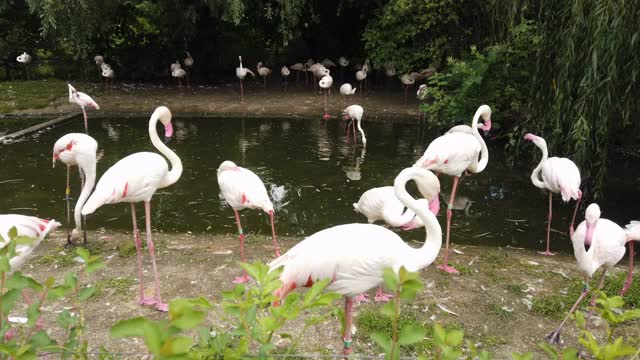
(311,172)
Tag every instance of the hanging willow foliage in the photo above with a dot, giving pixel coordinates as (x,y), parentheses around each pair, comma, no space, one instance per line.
(585,86)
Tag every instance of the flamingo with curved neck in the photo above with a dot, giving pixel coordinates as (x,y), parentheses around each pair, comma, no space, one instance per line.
(452,154)
(354,256)
(136,178)
(355,113)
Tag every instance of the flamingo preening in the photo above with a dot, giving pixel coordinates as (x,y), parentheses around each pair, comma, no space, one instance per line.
(136,178)
(284,71)
(325,83)
(179,73)
(346,89)
(29,226)
(241,73)
(559,175)
(361,75)
(108,74)
(77,149)
(264,72)
(83,100)
(452,154)
(25,59)
(354,256)
(99,60)
(243,189)
(598,243)
(188,63)
(354,113)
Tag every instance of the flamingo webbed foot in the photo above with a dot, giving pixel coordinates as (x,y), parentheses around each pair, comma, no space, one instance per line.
(361,298)
(546,253)
(448,269)
(326,117)
(382,297)
(554,338)
(241,279)
(162,306)
(147,301)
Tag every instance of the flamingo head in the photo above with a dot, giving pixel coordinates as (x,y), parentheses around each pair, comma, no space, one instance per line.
(227,165)
(72,91)
(537,140)
(592,215)
(485,113)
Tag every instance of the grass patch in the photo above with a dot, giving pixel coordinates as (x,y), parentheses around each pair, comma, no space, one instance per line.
(497,311)
(61,258)
(493,340)
(34,94)
(516,289)
(496,258)
(550,305)
(117,286)
(126,249)
(464,269)
(370,321)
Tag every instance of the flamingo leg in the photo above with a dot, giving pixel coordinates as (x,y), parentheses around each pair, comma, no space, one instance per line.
(160,306)
(445,264)
(245,277)
(326,114)
(67,199)
(136,236)
(381,296)
(348,320)
(549,253)
(273,232)
(241,92)
(86,124)
(349,129)
(575,212)
(554,337)
(592,303)
(353,127)
(627,283)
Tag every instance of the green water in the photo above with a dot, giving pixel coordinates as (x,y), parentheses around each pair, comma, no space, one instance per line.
(310,170)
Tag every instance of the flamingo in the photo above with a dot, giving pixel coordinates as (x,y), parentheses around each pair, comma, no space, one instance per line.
(243,189)
(354,112)
(389,71)
(354,256)
(421,94)
(29,226)
(241,73)
(25,59)
(264,72)
(179,73)
(559,175)
(188,62)
(176,65)
(361,75)
(298,67)
(346,89)
(99,60)
(406,80)
(136,178)
(597,243)
(77,149)
(319,71)
(452,154)
(83,100)
(108,74)
(307,65)
(284,71)
(325,83)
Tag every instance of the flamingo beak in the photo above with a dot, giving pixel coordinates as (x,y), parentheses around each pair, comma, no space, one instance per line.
(529,136)
(168,131)
(434,205)
(487,126)
(409,226)
(588,238)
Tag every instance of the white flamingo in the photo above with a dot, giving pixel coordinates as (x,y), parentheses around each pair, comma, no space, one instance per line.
(406,80)
(78,149)
(243,189)
(319,71)
(188,61)
(597,243)
(299,67)
(264,72)
(354,256)
(108,74)
(354,113)
(284,71)
(361,75)
(241,73)
(179,73)
(325,83)
(452,154)
(176,65)
(84,101)
(136,178)
(559,175)
(99,60)
(346,89)
(328,63)
(29,226)
(25,59)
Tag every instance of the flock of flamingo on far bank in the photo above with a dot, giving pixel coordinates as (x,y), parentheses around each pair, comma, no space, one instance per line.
(354,255)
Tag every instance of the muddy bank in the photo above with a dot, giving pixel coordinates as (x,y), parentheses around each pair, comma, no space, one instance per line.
(491,298)
(224,100)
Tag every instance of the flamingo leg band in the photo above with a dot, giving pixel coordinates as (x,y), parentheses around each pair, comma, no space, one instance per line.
(347,343)
(586,286)
(67,191)
(449,206)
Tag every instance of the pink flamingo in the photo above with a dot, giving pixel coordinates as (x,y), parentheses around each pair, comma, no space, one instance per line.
(452,154)
(136,178)
(597,242)
(559,175)
(325,83)
(77,149)
(241,73)
(381,203)
(83,100)
(243,189)
(354,256)
(354,113)
(29,226)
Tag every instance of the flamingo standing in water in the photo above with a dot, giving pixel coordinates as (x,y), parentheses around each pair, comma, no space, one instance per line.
(325,83)
(597,243)
(354,113)
(77,149)
(241,73)
(25,59)
(83,100)
(243,189)
(452,154)
(559,175)
(284,71)
(354,256)
(29,226)
(136,178)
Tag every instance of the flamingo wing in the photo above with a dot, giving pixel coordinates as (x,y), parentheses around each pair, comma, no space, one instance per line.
(242,188)
(561,175)
(86,100)
(451,153)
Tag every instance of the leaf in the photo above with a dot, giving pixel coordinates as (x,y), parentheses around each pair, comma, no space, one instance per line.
(83,253)
(8,300)
(33,314)
(139,327)
(41,339)
(13,232)
(383,340)
(19,281)
(5,267)
(390,279)
(176,345)
(411,334)
(389,310)
(454,338)
(94,265)
(315,290)
(87,293)
(184,315)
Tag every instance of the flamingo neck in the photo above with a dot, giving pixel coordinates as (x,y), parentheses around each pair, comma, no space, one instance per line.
(484,152)
(585,259)
(419,258)
(364,139)
(394,219)
(535,175)
(176,164)
(88,168)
